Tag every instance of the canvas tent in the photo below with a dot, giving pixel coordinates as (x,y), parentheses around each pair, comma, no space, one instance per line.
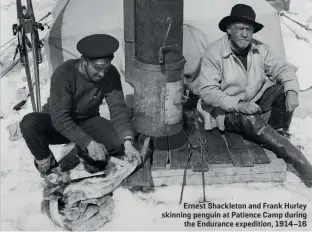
(74,19)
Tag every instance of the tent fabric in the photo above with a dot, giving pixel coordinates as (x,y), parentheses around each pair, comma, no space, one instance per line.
(74,19)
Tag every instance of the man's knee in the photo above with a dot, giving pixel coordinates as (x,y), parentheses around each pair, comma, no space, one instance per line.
(28,122)
(103,132)
(253,124)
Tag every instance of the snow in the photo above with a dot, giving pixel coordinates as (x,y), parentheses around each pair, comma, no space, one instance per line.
(21,185)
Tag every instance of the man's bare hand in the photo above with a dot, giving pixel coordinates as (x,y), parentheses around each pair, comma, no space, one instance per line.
(132,153)
(97,151)
(291,101)
(248,108)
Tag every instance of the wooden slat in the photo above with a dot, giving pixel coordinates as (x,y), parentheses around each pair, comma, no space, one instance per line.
(160,159)
(274,172)
(196,162)
(277,165)
(141,177)
(197,180)
(217,153)
(270,154)
(192,139)
(257,152)
(238,150)
(178,157)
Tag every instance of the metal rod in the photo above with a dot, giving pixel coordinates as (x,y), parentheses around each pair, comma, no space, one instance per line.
(184,175)
(203,175)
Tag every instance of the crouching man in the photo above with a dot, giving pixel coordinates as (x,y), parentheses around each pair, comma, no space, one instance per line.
(240,80)
(78,87)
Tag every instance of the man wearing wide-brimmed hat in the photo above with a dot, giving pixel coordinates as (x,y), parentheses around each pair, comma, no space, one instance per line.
(241,80)
(78,87)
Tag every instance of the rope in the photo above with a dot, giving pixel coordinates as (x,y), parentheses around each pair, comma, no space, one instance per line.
(296,34)
(14,38)
(305,26)
(8,69)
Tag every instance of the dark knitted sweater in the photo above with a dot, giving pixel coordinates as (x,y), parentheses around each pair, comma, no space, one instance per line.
(75,98)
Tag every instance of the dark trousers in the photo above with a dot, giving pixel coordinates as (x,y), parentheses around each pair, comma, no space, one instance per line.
(261,131)
(39,133)
(273,107)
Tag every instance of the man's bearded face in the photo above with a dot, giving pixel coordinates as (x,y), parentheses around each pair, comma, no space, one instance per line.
(240,35)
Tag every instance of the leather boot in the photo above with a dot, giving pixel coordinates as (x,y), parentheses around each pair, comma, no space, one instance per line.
(46,166)
(255,128)
(286,123)
(280,121)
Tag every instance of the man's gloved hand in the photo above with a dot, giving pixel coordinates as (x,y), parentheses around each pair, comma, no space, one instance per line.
(97,151)
(248,108)
(132,153)
(291,101)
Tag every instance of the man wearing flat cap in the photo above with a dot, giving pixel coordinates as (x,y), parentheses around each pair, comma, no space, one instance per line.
(241,80)
(78,87)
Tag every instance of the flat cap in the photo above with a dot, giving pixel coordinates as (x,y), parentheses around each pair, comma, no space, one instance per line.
(97,46)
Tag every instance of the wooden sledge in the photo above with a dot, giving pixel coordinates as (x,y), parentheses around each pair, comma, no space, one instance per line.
(229,159)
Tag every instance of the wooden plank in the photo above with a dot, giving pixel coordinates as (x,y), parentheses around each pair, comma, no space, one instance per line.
(238,150)
(276,171)
(197,180)
(217,153)
(145,147)
(142,176)
(178,157)
(257,152)
(160,154)
(270,154)
(196,162)
(160,159)
(192,139)
(276,165)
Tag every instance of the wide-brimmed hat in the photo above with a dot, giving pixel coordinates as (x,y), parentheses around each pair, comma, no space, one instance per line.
(241,13)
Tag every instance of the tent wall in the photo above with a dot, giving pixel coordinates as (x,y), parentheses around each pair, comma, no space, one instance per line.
(75,19)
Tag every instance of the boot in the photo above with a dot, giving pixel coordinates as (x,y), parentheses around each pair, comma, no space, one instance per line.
(286,124)
(280,121)
(46,166)
(255,128)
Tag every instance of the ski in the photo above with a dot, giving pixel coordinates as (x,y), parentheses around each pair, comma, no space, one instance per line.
(28,25)
(37,45)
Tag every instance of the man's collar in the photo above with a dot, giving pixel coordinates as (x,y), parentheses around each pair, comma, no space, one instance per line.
(226,48)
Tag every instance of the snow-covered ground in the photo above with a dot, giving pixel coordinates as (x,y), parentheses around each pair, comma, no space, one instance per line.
(21,186)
